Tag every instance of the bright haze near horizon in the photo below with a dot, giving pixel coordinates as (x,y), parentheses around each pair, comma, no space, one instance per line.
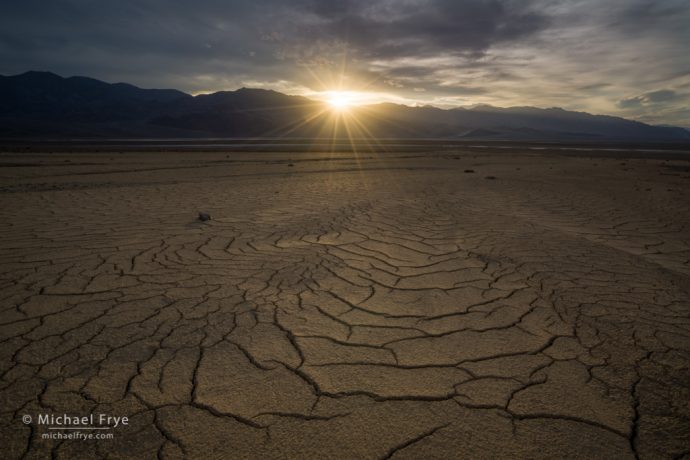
(623,58)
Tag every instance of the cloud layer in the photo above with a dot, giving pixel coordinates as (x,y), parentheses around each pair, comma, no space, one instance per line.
(623,57)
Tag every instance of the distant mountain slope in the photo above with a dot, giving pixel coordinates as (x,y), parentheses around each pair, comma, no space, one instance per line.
(42,104)
(44,94)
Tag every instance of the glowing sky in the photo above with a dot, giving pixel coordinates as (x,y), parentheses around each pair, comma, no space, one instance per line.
(621,57)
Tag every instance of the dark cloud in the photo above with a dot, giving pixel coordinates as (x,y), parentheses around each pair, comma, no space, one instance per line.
(640,16)
(594,86)
(243,36)
(652,97)
(413,28)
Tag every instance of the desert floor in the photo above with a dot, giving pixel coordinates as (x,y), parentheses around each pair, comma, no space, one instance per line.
(343,305)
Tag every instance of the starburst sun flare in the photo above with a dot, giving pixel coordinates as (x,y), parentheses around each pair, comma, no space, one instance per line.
(340,100)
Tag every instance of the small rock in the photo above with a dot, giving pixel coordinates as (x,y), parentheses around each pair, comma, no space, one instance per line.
(490,177)
(204,216)
(290,164)
(469,170)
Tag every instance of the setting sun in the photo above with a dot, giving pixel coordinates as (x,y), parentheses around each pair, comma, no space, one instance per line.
(339,100)
(346,99)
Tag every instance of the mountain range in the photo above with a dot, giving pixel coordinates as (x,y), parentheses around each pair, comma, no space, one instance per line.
(45,105)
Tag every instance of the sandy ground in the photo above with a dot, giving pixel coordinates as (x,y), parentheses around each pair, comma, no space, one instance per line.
(347,306)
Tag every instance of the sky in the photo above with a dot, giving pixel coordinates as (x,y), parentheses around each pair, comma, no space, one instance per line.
(626,58)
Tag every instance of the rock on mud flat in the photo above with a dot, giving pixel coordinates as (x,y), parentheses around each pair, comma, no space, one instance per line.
(204,216)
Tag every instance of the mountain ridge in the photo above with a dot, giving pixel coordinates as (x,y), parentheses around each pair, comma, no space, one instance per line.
(44,104)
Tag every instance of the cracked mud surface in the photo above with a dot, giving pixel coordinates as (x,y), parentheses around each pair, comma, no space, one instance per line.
(351,307)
